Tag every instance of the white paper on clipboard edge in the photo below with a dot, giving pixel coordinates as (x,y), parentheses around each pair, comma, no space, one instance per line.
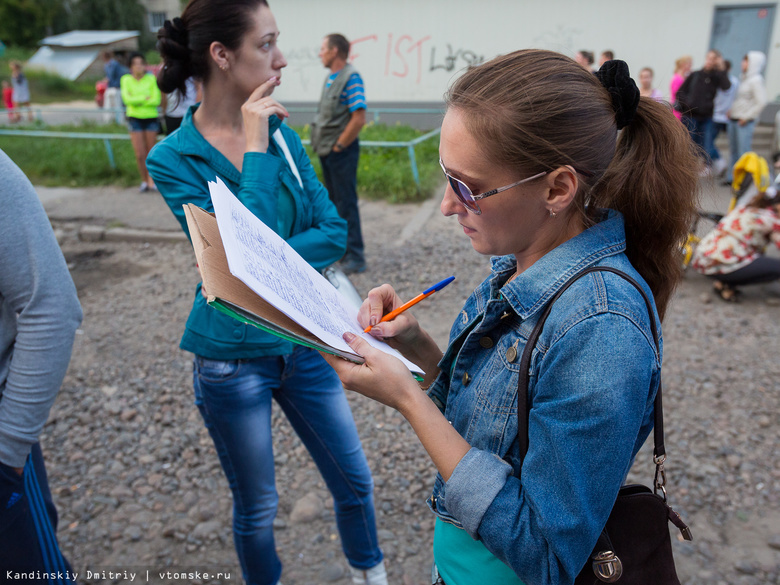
(267,264)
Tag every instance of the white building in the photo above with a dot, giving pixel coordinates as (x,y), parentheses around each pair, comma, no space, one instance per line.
(76,54)
(410,50)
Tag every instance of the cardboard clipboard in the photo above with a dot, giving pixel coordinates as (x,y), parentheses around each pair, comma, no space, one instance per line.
(229,295)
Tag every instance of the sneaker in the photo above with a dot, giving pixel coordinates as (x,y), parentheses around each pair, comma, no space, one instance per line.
(705,172)
(719,166)
(353,266)
(144,187)
(373,576)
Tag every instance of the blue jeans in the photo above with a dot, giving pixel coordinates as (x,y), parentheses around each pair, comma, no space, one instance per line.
(740,142)
(339,169)
(702,131)
(234,398)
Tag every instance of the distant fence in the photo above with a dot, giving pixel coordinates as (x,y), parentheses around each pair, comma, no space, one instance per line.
(107,138)
(375,114)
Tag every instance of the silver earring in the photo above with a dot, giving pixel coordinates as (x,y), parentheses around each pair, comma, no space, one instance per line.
(552,213)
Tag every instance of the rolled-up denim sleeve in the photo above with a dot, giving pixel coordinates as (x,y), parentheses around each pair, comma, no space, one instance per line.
(590,401)
(472,487)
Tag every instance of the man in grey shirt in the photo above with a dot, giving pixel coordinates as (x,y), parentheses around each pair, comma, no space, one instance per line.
(39,315)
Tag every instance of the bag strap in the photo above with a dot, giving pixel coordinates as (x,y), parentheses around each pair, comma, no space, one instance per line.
(279,138)
(659,452)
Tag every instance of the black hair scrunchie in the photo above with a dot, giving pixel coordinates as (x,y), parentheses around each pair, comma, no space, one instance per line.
(615,77)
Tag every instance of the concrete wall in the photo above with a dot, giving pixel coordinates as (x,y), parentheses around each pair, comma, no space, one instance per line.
(411,50)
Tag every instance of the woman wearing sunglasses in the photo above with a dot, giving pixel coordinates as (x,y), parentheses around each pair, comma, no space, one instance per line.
(550,169)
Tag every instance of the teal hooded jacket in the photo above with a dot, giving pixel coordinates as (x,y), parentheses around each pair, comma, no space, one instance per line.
(184,163)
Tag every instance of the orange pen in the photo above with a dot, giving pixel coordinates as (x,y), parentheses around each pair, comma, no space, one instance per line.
(424,294)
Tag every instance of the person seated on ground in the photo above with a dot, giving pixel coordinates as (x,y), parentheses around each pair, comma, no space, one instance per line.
(732,254)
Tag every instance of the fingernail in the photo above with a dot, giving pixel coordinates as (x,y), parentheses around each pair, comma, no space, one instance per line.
(374,320)
(348,337)
(274,79)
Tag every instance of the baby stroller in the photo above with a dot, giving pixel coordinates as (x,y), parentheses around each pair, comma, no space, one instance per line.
(751,176)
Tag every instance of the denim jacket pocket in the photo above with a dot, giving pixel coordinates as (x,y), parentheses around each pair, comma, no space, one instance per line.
(492,424)
(216,371)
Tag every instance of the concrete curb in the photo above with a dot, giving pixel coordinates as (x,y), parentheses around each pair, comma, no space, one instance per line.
(418,221)
(96,233)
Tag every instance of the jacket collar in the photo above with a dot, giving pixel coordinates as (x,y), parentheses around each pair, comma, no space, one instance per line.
(530,291)
(192,143)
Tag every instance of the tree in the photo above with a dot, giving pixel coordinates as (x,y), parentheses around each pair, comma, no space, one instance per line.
(112,15)
(25,22)
(108,15)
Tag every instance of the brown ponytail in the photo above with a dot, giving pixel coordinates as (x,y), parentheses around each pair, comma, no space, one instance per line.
(537,110)
(653,182)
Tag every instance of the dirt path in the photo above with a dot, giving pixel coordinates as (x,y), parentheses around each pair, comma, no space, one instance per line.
(139,487)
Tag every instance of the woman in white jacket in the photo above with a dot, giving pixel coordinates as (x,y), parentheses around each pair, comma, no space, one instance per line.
(747,106)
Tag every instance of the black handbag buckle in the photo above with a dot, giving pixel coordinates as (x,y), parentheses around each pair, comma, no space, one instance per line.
(607,566)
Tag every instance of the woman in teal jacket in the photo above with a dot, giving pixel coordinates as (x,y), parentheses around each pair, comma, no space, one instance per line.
(236,134)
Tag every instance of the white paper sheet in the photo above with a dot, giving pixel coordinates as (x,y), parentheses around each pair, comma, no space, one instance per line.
(268,265)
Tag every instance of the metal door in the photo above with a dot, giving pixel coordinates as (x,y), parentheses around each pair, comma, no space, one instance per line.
(739,29)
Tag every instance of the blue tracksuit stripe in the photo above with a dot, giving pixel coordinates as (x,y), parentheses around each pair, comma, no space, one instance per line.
(52,558)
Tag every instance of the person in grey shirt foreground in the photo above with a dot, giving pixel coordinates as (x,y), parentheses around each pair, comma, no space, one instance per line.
(39,315)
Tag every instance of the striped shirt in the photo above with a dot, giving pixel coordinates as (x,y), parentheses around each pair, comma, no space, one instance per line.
(353,95)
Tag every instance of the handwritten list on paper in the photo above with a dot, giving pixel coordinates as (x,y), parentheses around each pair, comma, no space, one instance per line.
(268,265)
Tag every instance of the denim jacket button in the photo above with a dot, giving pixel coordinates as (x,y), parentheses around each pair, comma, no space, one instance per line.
(511,354)
(466,378)
(486,342)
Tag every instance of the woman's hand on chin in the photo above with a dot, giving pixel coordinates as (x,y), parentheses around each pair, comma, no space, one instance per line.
(256,111)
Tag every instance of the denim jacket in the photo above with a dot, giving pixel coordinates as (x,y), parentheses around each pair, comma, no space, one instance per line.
(181,166)
(593,377)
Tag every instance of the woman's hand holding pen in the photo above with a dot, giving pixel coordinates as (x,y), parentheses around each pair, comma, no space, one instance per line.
(382,377)
(256,110)
(403,330)
(402,333)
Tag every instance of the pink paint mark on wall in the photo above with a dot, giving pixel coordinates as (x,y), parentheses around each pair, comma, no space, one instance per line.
(403,56)
(352,54)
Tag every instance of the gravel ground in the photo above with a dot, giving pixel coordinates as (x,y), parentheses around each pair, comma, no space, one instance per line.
(139,488)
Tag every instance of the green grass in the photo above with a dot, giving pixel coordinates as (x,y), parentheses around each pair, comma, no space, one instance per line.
(384,173)
(45,87)
(72,162)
